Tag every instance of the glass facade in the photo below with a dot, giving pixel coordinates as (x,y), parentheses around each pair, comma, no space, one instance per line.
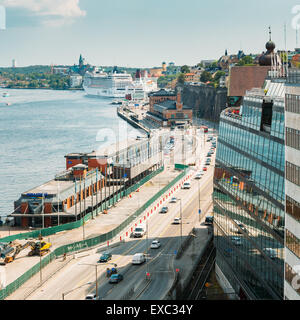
(249,198)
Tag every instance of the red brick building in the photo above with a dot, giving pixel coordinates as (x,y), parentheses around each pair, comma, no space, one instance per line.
(166,109)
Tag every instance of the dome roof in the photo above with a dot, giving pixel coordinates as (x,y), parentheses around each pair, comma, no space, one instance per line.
(266,58)
(270,45)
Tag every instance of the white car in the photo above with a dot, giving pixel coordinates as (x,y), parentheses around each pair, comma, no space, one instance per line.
(177,221)
(237,241)
(198,176)
(271,253)
(91,297)
(173,200)
(186,185)
(155,244)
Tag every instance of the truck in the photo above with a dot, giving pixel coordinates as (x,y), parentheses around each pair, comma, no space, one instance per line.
(139,231)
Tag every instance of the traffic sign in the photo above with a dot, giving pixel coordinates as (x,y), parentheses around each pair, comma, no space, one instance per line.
(199,211)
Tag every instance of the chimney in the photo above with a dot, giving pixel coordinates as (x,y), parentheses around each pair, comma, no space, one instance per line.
(178,101)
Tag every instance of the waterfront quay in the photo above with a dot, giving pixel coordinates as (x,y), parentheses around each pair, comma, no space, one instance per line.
(90,182)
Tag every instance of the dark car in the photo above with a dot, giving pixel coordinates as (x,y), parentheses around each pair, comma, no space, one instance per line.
(209,221)
(164,210)
(115,278)
(106,256)
(209,155)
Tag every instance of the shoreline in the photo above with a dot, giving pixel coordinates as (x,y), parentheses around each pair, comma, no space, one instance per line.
(70,89)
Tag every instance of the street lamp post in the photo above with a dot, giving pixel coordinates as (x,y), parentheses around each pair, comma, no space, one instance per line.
(147,244)
(96,273)
(199,199)
(65,293)
(180,223)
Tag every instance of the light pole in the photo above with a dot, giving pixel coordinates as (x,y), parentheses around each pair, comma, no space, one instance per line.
(147,244)
(96,273)
(65,293)
(180,222)
(199,212)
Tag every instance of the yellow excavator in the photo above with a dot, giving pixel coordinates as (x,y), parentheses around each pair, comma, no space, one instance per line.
(39,248)
(10,251)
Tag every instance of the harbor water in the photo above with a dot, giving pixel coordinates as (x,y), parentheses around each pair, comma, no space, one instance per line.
(39,127)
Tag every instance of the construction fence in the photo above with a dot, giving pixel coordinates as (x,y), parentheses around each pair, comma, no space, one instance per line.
(88,243)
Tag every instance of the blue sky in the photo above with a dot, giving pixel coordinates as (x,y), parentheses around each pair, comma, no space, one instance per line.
(140,33)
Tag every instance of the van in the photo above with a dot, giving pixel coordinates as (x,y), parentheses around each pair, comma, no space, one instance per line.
(138,258)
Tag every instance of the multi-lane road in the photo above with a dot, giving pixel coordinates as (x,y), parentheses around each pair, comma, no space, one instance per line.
(78,277)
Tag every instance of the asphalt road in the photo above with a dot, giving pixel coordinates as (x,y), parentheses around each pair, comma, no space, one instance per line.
(80,273)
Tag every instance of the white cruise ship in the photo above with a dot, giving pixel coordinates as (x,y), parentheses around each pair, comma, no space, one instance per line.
(117,85)
(113,85)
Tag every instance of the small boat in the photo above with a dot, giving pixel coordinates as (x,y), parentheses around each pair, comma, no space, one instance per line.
(116,102)
(5,94)
(5,104)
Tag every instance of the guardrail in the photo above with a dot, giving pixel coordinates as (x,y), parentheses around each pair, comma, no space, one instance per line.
(88,243)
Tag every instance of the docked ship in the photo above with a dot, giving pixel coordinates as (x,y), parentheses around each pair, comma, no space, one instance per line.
(102,84)
(117,85)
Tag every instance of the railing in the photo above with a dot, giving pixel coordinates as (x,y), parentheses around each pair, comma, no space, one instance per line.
(75,246)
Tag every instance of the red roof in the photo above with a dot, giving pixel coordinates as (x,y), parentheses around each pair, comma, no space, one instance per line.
(246,78)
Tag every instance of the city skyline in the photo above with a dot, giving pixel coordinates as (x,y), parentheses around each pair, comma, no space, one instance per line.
(135,34)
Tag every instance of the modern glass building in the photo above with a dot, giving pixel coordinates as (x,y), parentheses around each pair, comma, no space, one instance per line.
(292,186)
(249,195)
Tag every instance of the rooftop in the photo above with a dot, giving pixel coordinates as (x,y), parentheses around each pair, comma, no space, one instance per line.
(162,92)
(245,78)
(168,105)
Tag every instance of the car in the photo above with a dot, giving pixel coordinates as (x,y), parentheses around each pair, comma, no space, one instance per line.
(91,297)
(106,256)
(173,200)
(138,258)
(139,232)
(115,278)
(198,176)
(240,225)
(176,221)
(155,244)
(164,210)
(271,253)
(204,168)
(207,163)
(209,220)
(236,241)
(186,185)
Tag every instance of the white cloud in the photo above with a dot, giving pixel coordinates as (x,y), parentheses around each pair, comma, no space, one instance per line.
(56,12)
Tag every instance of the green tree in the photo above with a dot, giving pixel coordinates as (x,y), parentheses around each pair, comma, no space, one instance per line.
(205,76)
(180,78)
(185,69)
(218,75)
(247,60)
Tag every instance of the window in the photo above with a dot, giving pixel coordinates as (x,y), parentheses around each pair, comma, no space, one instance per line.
(293,138)
(290,275)
(266,118)
(293,173)
(293,243)
(293,208)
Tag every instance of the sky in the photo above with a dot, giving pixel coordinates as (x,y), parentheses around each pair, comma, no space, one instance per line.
(141,33)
